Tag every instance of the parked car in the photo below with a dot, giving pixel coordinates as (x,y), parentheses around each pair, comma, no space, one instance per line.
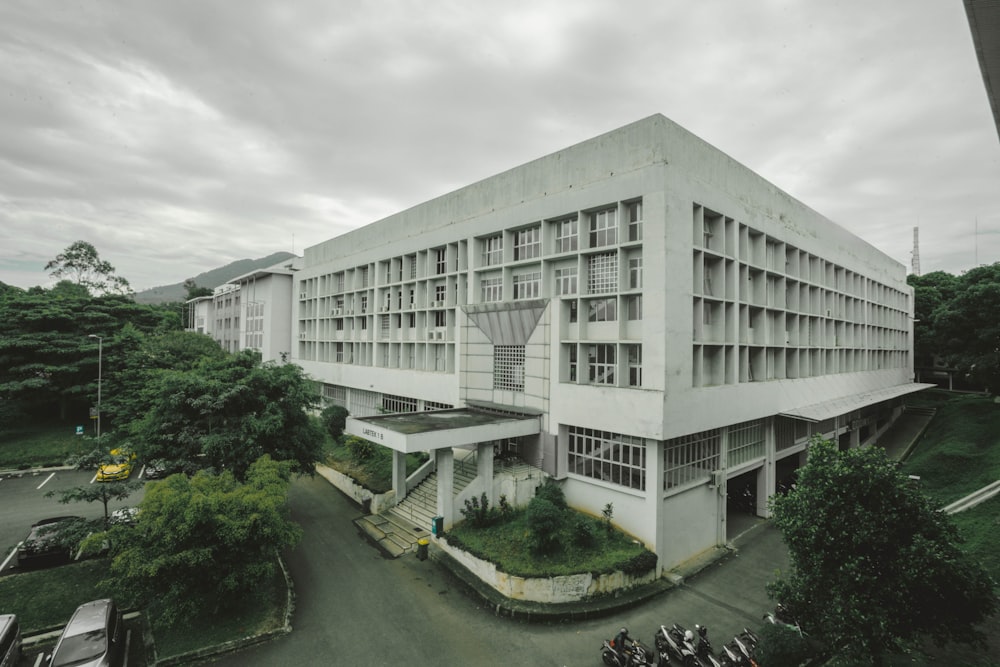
(118,469)
(10,640)
(124,516)
(47,544)
(94,637)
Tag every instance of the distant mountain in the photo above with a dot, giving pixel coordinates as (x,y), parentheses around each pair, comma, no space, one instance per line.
(210,279)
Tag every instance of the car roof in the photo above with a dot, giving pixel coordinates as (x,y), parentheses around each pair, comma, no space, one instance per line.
(55,519)
(7,620)
(88,617)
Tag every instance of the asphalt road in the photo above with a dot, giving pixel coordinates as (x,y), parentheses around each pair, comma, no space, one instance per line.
(23,501)
(356,607)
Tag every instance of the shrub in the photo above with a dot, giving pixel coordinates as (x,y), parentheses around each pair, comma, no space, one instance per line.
(334,418)
(479,514)
(584,533)
(544,520)
(782,645)
(552,492)
(361,449)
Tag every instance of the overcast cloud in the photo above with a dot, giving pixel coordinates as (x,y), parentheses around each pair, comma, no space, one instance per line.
(179,136)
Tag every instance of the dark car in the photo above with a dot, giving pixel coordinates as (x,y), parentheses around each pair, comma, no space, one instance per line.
(94,637)
(47,543)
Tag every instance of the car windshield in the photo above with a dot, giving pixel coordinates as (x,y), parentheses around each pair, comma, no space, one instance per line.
(78,649)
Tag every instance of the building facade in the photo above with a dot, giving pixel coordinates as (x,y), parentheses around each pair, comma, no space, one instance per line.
(674,323)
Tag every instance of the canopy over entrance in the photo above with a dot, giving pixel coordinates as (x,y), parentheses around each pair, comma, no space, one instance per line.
(824,410)
(409,432)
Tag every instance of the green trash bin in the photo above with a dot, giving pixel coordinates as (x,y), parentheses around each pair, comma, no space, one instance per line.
(437,526)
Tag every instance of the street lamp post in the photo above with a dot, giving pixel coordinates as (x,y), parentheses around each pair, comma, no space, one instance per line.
(100,364)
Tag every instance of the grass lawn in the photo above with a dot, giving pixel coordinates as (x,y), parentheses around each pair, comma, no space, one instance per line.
(507,545)
(43,599)
(374,474)
(960,451)
(254,617)
(43,445)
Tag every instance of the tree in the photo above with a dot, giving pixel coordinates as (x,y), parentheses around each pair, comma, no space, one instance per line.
(874,563)
(205,543)
(967,328)
(228,412)
(81,263)
(193,291)
(104,493)
(334,418)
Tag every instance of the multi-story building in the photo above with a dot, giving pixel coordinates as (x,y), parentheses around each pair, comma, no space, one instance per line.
(638,315)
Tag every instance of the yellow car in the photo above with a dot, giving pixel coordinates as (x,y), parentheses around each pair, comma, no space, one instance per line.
(120,467)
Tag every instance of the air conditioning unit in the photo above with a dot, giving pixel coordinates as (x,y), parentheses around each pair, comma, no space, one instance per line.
(303,295)
(384,309)
(718,479)
(438,335)
(335,311)
(302,334)
(439,304)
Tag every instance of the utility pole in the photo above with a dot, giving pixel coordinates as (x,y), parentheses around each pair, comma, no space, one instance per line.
(100,364)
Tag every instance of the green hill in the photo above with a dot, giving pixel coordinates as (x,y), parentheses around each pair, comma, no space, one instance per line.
(210,279)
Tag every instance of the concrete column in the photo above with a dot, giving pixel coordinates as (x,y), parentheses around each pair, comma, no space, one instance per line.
(655,507)
(484,469)
(445,460)
(767,481)
(721,511)
(399,475)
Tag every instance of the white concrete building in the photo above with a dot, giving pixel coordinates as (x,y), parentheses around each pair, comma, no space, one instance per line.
(649,321)
(265,310)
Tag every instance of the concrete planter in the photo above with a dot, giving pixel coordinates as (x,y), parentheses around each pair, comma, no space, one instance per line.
(376,502)
(549,590)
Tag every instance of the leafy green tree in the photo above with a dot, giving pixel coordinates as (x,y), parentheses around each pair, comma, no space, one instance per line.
(81,264)
(334,419)
(545,519)
(230,412)
(205,543)
(105,492)
(967,329)
(48,362)
(874,563)
(194,291)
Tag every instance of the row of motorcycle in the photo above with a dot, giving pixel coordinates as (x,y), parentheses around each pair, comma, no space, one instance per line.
(676,645)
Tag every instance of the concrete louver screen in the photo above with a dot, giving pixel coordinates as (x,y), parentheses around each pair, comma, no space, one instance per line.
(507,323)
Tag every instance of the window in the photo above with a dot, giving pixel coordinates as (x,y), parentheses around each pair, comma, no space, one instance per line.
(439,261)
(393,404)
(340,282)
(573,311)
(526,286)
(635,272)
(493,250)
(413,266)
(634,356)
(602,273)
(440,318)
(633,307)
(745,442)
(412,321)
(604,227)
(566,281)
(338,324)
(508,367)
(601,363)
(691,457)
(571,353)
(611,457)
(566,235)
(439,292)
(492,289)
(633,213)
(411,298)
(383,324)
(602,310)
(363,272)
(527,243)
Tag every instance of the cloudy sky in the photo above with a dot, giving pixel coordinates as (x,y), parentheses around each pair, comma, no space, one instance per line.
(179,136)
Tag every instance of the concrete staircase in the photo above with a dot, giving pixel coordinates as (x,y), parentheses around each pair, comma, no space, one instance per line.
(397,531)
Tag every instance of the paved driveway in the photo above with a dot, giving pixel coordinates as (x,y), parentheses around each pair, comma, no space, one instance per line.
(356,607)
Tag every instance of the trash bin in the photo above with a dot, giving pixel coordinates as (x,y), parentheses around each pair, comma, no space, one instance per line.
(422,548)
(437,526)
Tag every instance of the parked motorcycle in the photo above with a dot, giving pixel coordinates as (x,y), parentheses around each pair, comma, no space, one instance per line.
(741,649)
(782,616)
(672,642)
(636,654)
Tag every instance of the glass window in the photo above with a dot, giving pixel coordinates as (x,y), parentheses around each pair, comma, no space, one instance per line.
(566,281)
(633,307)
(691,457)
(635,272)
(603,310)
(633,212)
(566,235)
(527,285)
(493,250)
(439,261)
(601,363)
(611,457)
(634,365)
(604,227)
(571,353)
(492,289)
(527,243)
